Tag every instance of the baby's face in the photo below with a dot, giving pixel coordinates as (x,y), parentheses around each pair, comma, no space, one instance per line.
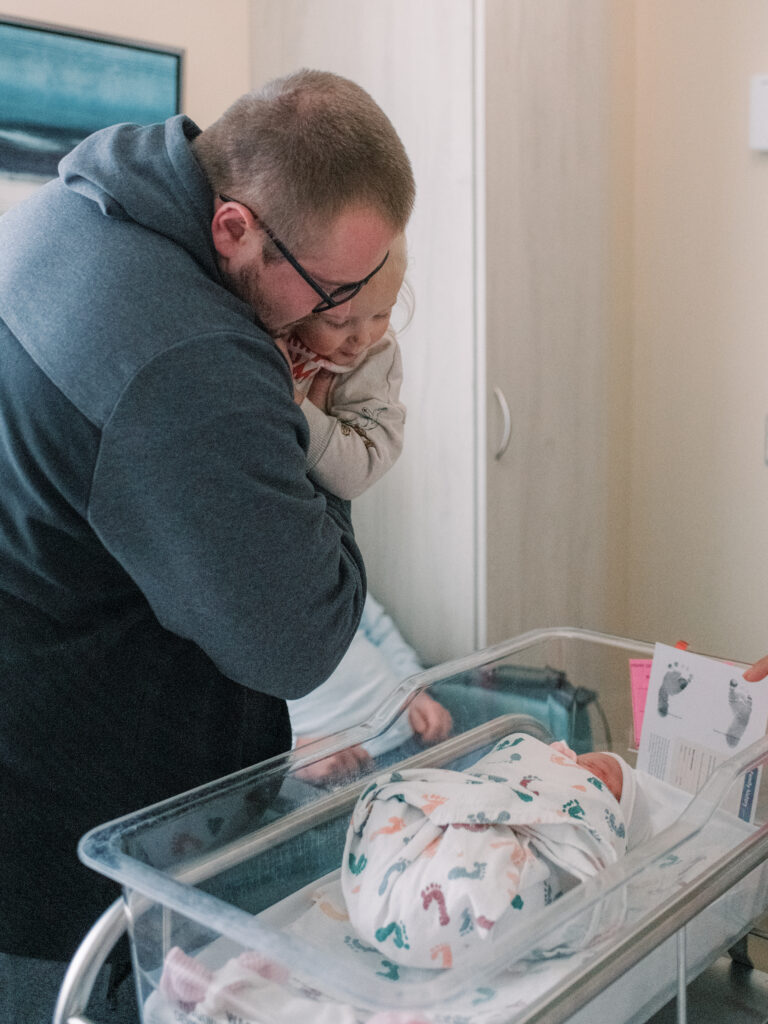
(344,334)
(606,768)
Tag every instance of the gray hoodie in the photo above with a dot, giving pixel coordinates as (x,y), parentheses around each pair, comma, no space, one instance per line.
(168,572)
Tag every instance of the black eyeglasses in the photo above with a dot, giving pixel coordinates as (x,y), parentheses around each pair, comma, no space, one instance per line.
(339,295)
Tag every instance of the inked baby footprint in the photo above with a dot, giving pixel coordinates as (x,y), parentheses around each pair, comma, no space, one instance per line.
(433,801)
(741,706)
(508,743)
(477,873)
(481,818)
(574,809)
(391,971)
(674,682)
(526,781)
(398,933)
(395,868)
(616,827)
(357,945)
(357,864)
(444,952)
(434,894)
(395,825)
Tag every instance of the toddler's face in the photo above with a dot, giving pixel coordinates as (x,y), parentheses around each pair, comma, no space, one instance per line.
(343,334)
(606,768)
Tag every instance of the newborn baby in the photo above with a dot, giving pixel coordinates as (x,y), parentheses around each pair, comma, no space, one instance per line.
(437,863)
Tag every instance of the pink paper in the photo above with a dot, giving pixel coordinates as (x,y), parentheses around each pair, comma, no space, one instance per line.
(639,674)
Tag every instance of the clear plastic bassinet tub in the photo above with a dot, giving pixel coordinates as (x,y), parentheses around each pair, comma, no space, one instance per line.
(232,889)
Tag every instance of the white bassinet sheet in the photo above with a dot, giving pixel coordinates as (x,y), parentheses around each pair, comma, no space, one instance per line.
(222,984)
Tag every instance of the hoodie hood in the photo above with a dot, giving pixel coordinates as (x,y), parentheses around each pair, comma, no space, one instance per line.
(118,169)
(113,263)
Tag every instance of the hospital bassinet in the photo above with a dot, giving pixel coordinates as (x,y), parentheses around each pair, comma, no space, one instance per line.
(249,863)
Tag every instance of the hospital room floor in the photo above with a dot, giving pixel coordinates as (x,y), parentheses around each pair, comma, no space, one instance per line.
(727,992)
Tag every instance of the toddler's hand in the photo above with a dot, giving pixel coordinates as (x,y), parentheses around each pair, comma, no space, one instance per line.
(429,719)
(320,389)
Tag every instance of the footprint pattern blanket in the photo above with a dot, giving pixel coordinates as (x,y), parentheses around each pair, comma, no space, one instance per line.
(438,864)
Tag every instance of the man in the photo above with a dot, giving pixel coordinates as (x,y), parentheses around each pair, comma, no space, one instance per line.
(168,572)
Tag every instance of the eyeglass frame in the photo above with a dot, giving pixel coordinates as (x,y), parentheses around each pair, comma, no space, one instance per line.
(343,293)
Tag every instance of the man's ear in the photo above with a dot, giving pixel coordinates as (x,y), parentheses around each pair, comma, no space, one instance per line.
(229,230)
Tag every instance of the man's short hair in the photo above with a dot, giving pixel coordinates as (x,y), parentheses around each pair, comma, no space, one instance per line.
(304,147)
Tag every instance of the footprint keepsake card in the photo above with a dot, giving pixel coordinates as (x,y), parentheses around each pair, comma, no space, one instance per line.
(698,713)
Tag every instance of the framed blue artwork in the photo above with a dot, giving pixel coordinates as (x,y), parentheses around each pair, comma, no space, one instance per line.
(59,85)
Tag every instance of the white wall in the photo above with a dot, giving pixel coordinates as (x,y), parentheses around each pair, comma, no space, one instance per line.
(699,483)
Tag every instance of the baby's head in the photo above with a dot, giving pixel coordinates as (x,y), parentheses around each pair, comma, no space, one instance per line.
(606,768)
(621,780)
(343,334)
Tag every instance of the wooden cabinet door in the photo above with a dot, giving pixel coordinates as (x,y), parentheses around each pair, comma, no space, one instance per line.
(554,551)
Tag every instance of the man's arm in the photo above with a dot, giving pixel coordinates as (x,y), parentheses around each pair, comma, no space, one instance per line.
(201,493)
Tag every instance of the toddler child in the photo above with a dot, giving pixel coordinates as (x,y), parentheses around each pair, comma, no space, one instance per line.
(347,374)
(439,865)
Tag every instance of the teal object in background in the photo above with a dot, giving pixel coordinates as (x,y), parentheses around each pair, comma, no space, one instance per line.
(56,87)
(543,693)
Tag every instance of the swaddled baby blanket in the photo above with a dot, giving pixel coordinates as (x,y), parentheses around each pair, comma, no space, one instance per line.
(438,862)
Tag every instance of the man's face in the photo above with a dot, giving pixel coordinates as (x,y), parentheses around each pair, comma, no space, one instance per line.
(353,245)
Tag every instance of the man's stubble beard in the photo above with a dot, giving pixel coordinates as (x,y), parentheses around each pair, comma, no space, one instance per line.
(245,284)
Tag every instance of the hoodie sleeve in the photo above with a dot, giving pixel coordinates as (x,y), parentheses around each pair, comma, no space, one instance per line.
(201,493)
(361,436)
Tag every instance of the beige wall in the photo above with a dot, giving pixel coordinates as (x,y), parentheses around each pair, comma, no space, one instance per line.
(699,482)
(214,37)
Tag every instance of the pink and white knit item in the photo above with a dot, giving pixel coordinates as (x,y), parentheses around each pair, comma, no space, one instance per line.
(305,364)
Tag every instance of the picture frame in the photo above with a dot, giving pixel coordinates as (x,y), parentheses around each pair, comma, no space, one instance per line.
(58,85)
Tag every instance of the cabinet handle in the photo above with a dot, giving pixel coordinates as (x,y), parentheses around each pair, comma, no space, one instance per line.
(506,432)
